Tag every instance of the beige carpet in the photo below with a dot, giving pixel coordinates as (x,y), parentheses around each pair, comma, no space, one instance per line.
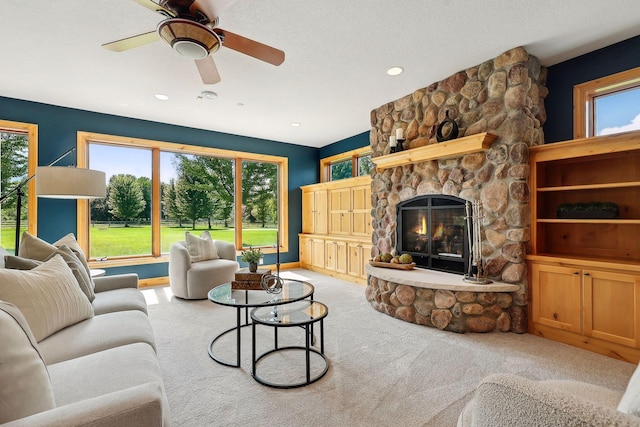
(383,372)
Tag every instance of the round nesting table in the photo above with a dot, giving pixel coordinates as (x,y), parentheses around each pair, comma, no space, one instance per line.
(292,290)
(296,314)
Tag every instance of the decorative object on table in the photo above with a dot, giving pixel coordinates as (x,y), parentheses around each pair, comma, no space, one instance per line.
(399,262)
(393,143)
(477,272)
(252,256)
(447,130)
(273,283)
(60,183)
(593,210)
(399,139)
(247,280)
(393,265)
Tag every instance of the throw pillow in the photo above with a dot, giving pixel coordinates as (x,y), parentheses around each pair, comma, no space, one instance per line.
(3,252)
(201,248)
(48,296)
(35,248)
(83,279)
(25,388)
(630,402)
(19,263)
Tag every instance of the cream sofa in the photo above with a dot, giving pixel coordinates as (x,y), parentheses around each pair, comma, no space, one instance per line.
(101,371)
(510,400)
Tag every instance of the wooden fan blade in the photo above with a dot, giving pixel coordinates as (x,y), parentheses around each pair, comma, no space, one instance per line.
(208,70)
(250,47)
(211,8)
(131,42)
(156,7)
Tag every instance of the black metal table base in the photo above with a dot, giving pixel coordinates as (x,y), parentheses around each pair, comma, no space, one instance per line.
(309,338)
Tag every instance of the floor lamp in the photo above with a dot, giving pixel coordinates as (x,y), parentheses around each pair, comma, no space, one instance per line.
(60,182)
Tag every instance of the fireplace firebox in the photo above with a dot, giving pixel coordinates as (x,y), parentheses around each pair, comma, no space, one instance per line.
(433,229)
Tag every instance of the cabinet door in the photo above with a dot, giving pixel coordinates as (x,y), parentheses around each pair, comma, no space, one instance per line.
(306,251)
(339,211)
(308,212)
(321,211)
(317,253)
(612,305)
(359,254)
(361,211)
(330,255)
(556,298)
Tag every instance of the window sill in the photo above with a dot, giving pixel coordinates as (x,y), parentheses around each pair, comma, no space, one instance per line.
(122,262)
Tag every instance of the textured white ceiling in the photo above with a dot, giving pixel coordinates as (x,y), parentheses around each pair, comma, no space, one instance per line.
(334,74)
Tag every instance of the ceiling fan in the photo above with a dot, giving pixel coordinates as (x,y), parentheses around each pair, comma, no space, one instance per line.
(190,28)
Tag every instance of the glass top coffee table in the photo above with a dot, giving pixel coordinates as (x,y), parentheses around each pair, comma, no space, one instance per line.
(292,290)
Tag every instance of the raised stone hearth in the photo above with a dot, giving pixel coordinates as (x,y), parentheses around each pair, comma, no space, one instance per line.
(505,97)
(440,299)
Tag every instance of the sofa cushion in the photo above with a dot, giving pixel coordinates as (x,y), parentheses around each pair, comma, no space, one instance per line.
(83,279)
(201,248)
(25,388)
(96,334)
(630,402)
(34,248)
(119,300)
(48,296)
(70,240)
(104,372)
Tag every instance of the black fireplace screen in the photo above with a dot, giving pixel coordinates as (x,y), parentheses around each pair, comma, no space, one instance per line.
(433,230)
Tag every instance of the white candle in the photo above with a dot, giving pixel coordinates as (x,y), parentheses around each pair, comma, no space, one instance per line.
(399,133)
(392,141)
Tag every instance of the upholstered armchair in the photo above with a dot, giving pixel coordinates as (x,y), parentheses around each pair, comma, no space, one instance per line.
(193,280)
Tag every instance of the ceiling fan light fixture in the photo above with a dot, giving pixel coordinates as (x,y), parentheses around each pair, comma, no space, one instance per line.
(190,39)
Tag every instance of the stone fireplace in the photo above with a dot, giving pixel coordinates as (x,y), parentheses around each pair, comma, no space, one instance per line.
(504,97)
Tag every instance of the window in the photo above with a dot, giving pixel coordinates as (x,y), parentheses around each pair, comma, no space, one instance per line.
(346,165)
(18,159)
(157,190)
(608,105)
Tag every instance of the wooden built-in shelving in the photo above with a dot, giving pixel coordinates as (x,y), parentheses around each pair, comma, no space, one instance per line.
(456,147)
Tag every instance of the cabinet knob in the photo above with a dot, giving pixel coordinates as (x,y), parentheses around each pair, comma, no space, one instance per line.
(555,316)
(587,274)
(576,272)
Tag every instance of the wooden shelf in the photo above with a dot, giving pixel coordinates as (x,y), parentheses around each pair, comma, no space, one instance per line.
(590,186)
(588,221)
(443,150)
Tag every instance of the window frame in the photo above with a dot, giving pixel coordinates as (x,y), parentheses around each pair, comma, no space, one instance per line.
(354,155)
(31,130)
(83,214)
(585,93)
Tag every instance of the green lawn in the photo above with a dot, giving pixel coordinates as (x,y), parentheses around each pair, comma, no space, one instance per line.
(121,241)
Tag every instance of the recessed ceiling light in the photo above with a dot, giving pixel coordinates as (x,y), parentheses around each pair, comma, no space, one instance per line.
(207,95)
(394,71)
(296,124)
(161,97)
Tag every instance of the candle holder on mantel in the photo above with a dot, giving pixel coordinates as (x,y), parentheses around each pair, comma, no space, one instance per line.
(399,139)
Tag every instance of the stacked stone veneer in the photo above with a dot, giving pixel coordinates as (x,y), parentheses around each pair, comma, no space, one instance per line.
(503,96)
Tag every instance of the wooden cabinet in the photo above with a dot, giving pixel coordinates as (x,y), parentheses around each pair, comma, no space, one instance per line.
(359,254)
(314,214)
(336,256)
(340,211)
(312,252)
(346,206)
(585,267)
(557,297)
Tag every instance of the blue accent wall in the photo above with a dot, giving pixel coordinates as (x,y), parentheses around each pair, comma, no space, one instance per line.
(348,144)
(613,59)
(57,127)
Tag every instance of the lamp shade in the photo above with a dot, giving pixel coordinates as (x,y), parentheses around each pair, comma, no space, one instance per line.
(62,182)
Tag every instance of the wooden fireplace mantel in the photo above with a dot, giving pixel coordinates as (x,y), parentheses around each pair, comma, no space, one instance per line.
(457,147)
